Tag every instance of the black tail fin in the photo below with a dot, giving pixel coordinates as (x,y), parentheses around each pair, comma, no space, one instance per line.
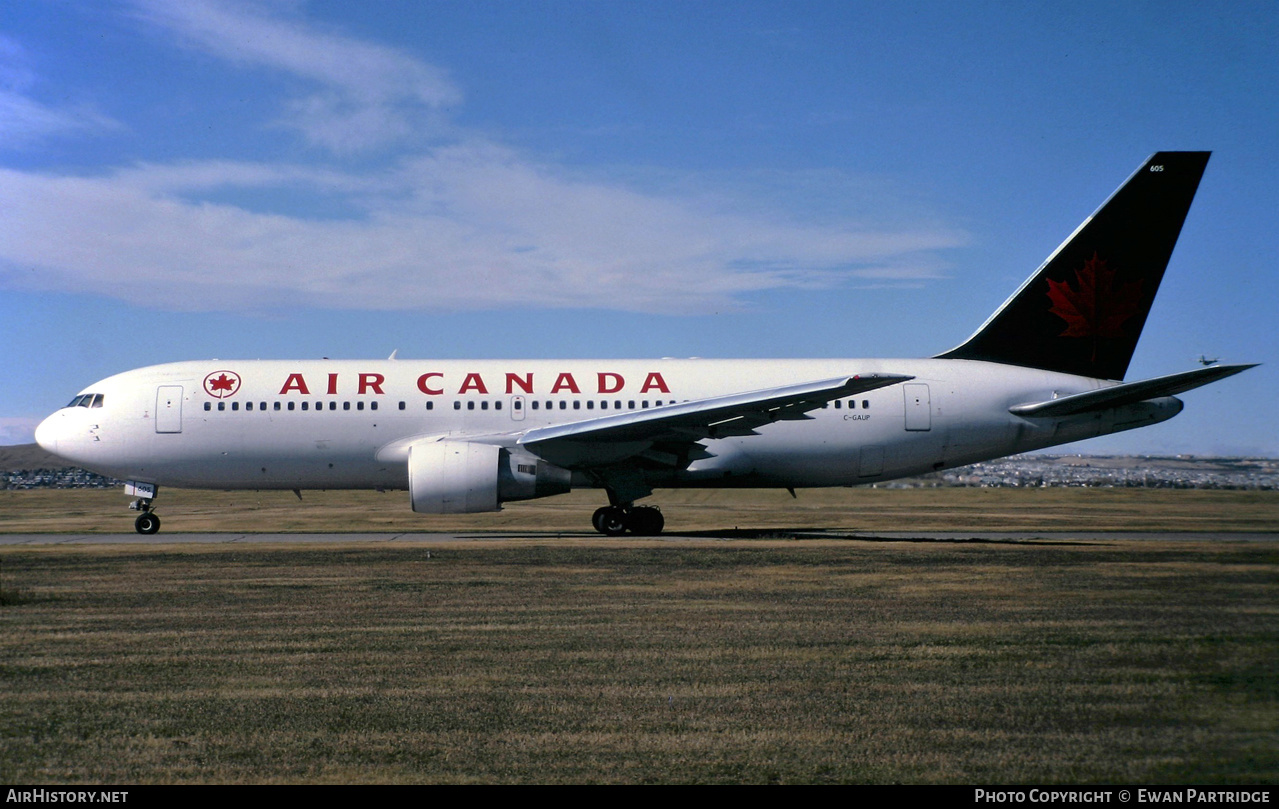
(1083,309)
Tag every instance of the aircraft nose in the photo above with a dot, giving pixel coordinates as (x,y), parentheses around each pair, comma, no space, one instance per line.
(47,433)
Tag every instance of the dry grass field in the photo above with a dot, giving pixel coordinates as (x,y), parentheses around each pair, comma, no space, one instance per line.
(586,659)
(103,511)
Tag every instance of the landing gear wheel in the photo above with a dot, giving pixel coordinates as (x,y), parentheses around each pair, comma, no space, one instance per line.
(646,521)
(597,519)
(147,523)
(612,520)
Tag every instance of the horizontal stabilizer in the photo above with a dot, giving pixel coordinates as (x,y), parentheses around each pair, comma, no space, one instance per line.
(1119,395)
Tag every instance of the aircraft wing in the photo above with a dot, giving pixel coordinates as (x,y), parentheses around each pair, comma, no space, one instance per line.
(610,439)
(1127,393)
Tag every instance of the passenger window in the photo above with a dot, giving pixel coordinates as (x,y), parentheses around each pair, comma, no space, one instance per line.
(865,403)
(534,403)
(360,405)
(276,406)
(208,405)
(428,404)
(563,405)
(248,405)
(577,404)
(457,405)
(235,405)
(221,405)
(517,405)
(291,405)
(837,404)
(470,405)
(346,405)
(306,405)
(590,404)
(372,405)
(484,405)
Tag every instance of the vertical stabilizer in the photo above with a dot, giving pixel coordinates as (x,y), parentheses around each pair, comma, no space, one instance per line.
(1084,308)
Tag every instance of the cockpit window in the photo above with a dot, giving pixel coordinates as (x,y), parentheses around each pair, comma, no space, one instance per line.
(86,400)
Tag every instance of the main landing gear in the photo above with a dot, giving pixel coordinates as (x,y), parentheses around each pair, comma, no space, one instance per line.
(147,522)
(644,521)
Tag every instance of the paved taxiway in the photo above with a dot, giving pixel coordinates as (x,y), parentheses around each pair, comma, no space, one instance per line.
(175,538)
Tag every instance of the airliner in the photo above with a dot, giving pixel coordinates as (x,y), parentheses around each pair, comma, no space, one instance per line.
(463,436)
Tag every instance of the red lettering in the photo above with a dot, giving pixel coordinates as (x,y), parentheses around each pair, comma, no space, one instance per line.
(565,381)
(654,381)
(616,379)
(473,382)
(333,383)
(297,383)
(525,384)
(371,382)
(422,386)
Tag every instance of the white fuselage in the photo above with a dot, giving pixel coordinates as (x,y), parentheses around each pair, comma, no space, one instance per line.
(264,424)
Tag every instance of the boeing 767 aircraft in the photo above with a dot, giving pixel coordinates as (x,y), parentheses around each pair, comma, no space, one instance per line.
(469,435)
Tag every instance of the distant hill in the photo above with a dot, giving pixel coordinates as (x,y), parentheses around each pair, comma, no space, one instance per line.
(29,456)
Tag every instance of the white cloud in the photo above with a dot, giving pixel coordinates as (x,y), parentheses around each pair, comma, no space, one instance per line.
(461,225)
(24,119)
(17,430)
(366,95)
(464,226)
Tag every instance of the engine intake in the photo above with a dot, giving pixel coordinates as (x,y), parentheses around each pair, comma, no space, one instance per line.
(463,477)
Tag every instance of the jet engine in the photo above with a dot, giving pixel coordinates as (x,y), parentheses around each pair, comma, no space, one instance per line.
(462,477)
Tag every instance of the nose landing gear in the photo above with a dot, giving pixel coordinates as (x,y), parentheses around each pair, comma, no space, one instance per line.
(147,522)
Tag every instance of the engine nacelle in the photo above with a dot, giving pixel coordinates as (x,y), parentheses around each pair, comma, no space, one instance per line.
(463,477)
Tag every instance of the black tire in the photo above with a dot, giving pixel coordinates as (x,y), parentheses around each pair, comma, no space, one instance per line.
(646,521)
(597,519)
(614,521)
(147,523)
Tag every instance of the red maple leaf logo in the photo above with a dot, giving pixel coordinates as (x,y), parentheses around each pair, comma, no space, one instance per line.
(1096,306)
(220,384)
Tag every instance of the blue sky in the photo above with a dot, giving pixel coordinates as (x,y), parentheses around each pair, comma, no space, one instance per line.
(564,179)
